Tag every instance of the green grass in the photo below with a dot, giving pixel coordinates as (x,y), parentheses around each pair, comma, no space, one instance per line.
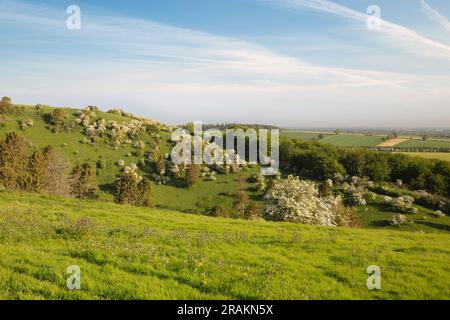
(342,140)
(353,140)
(376,215)
(206,194)
(415,143)
(430,155)
(69,143)
(134,253)
(304,135)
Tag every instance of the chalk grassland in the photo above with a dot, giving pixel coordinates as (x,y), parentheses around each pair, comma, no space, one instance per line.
(135,253)
(69,143)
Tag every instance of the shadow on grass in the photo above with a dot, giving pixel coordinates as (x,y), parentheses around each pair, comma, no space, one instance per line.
(434,225)
(380,224)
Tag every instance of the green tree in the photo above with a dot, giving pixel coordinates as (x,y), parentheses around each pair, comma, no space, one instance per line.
(130,188)
(56,118)
(240,204)
(13,161)
(37,167)
(192,175)
(83,182)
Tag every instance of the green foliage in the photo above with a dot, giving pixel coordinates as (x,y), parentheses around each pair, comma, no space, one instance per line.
(192,175)
(56,118)
(240,204)
(13,161)
(144,250)
(83,182)
(5,106)
(312,160)
(220,211)
(37,171)
(130,188)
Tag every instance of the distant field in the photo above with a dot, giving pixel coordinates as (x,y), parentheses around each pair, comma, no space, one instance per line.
(342,140)
(304,135)
(392,142)
(353,140)
(430,155)
(415,143)
(360,140)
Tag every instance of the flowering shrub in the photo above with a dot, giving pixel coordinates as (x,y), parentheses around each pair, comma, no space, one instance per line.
(403,204)
(26,123)
(355,196)
(398,219)
(298,201)
(438,214)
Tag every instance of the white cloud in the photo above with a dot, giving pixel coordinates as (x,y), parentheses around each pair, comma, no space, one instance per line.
(435,15)
(394,31)
(180,75)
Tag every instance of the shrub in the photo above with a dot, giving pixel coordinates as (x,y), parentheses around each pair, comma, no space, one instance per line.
(192,175)
(404,205)
(220,211)
(37,171)
(354,196)
(57,173)
(83,182)
(131,188)
(56,119)
(241,201)
(398,219)
(253,211)
(346,217)
(370,196)
(26,123)
(5,106)
(13,161)
(438,213)
(298,201)
(81,228)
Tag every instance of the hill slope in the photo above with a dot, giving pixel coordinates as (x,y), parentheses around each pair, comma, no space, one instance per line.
(134,253)
(72,144)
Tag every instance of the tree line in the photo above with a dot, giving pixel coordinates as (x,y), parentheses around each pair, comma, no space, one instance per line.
(316,161)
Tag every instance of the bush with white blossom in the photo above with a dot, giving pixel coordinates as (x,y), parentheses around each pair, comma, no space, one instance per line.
(296,200)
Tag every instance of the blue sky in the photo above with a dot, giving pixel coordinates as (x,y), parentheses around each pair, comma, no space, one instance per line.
(294,63)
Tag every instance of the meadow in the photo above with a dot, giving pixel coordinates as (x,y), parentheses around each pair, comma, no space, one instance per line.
(415,143)
(135,253)
(353,140)
(430,155)
(341,140)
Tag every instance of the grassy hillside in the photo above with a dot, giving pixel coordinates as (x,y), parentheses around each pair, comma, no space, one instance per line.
(134,253)
(70,144)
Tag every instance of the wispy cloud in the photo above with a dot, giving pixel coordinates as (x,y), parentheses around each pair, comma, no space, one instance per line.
(435,15)
(392,30)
